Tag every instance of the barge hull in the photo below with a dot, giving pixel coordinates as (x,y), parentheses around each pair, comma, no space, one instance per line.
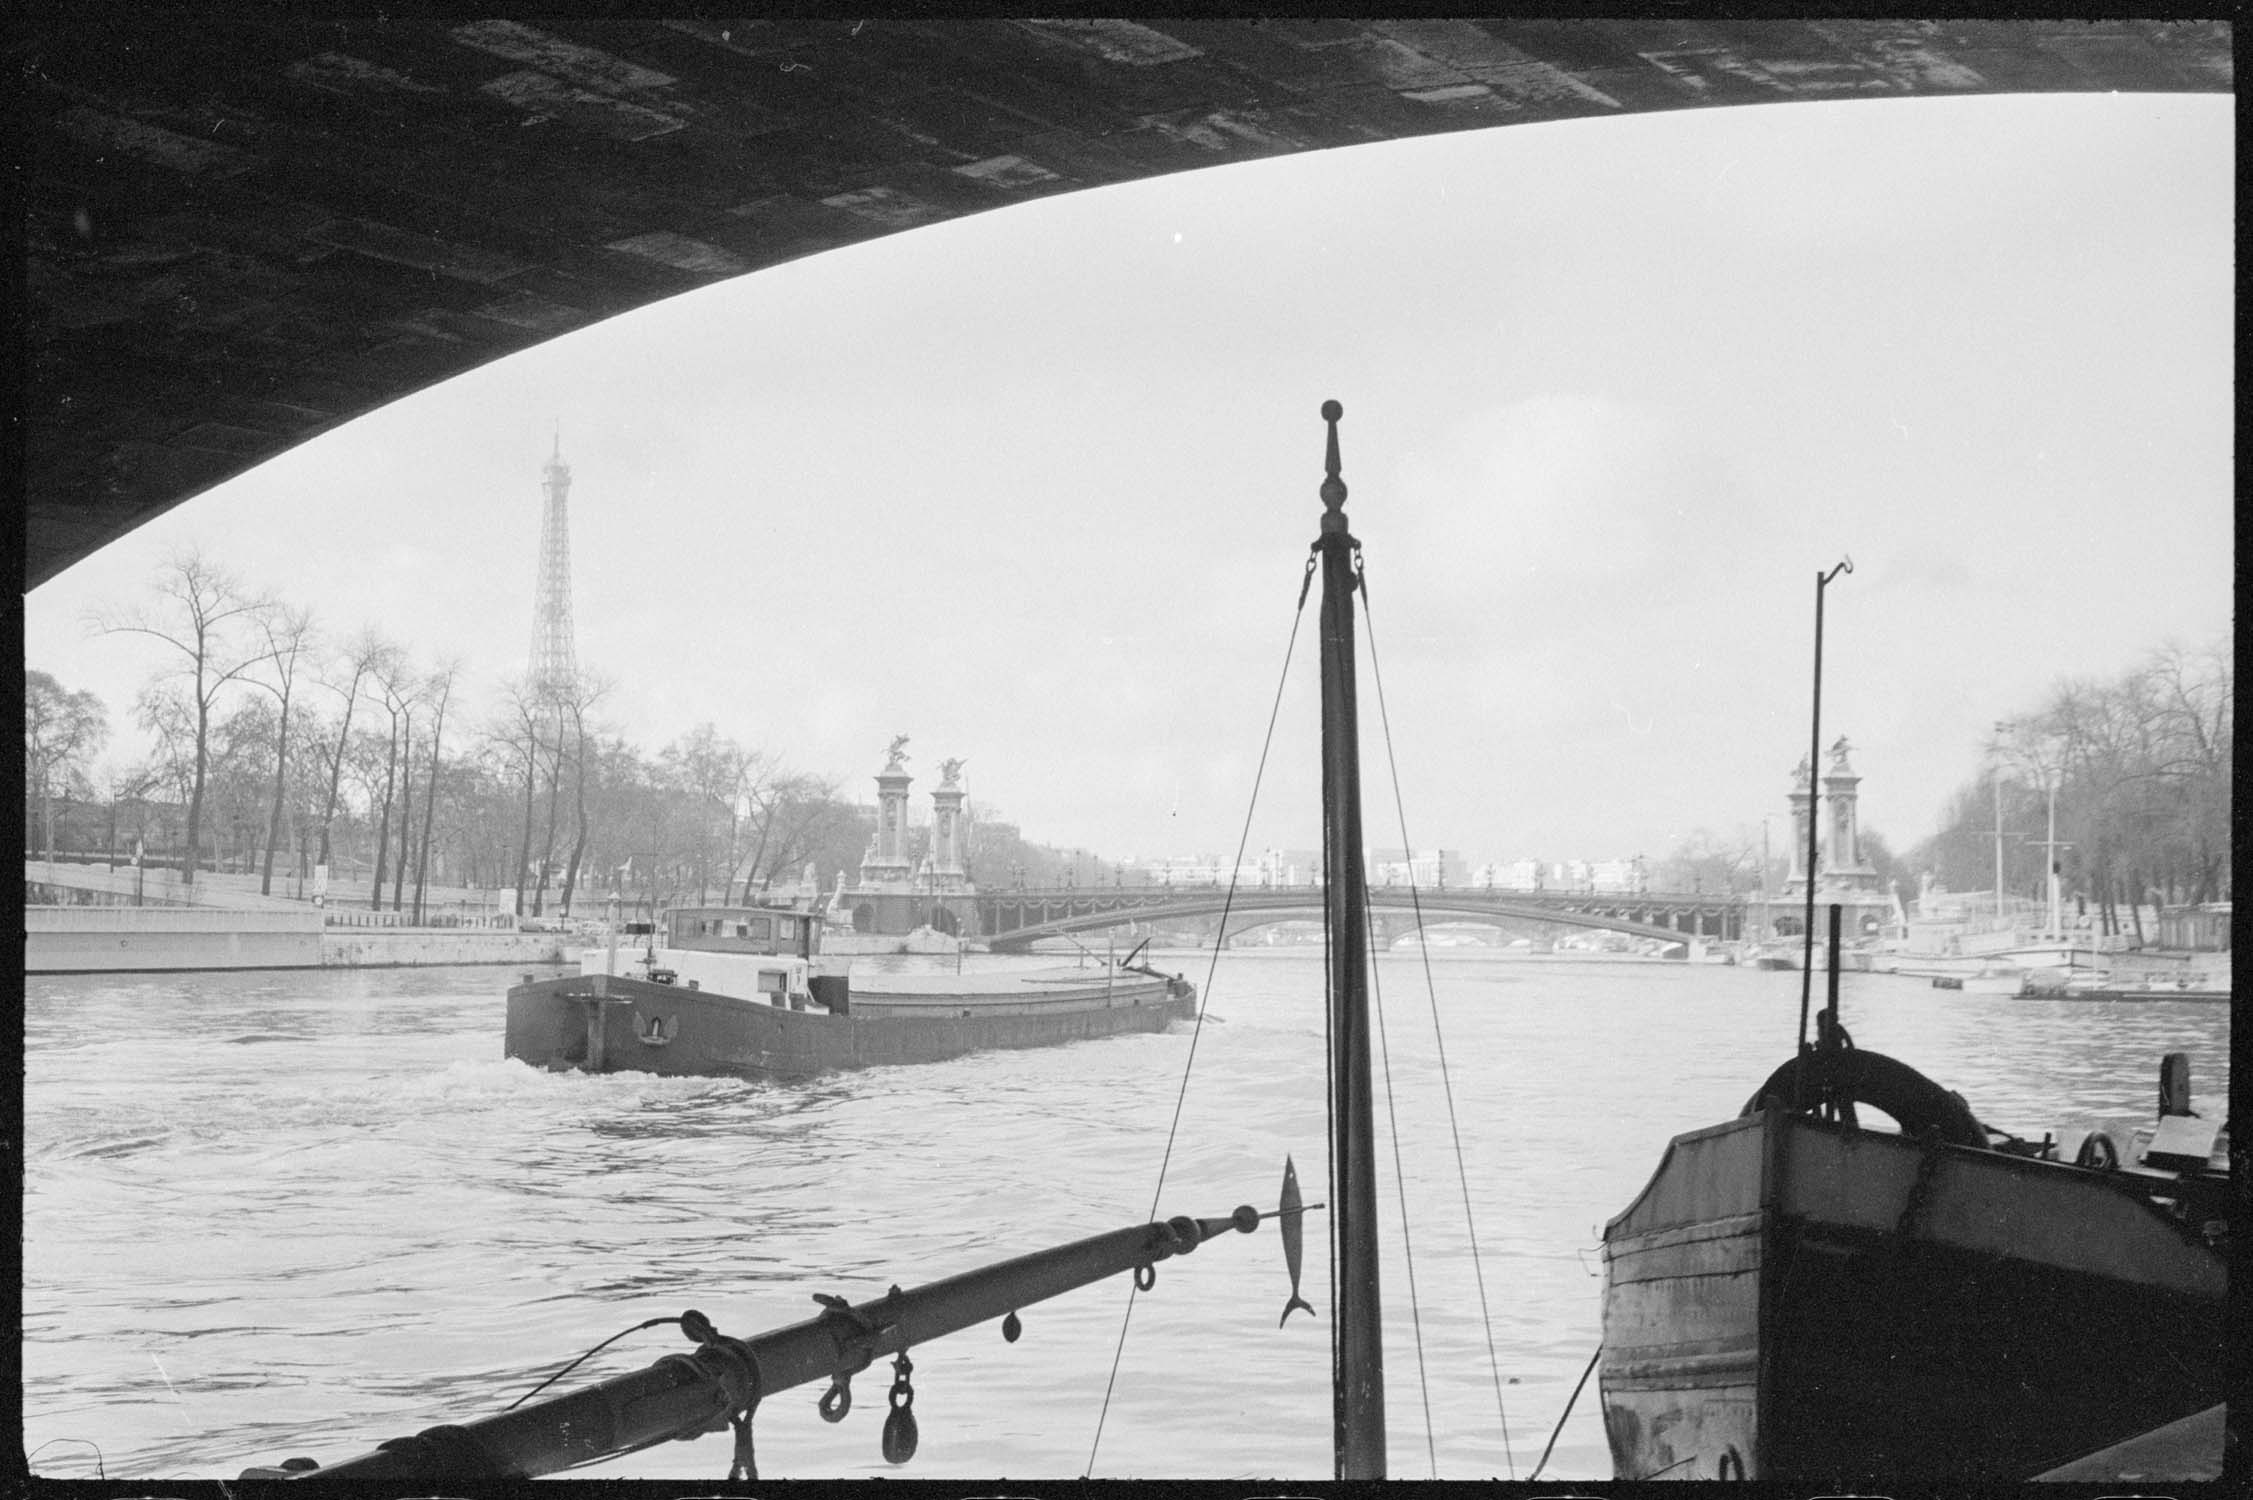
(611,1023)
(1805,1304)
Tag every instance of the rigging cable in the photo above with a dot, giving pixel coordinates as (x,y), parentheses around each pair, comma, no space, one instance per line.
(1220,938)
(1569,1400)
(1400,1188)
(582,1359)
(1462,1173)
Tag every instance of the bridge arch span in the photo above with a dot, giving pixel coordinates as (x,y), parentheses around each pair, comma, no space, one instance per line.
(279,222)
(1628,914)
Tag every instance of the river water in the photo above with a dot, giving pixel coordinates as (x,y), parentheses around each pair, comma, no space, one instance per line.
(300,1213)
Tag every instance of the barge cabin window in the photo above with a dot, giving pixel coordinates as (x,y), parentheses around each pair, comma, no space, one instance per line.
(733,930)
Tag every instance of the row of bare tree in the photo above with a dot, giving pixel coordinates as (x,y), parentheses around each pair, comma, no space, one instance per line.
(281,748)
(2139,769)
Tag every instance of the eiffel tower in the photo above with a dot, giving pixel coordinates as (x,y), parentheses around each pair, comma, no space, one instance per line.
(553,674)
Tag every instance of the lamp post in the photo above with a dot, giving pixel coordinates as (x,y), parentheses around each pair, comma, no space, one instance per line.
(1814,818)
(1767,923)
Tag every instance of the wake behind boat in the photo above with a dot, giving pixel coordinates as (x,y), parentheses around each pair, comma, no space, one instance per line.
(744,991)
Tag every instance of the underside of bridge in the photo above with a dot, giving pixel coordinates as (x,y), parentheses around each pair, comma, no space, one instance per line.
(244,229)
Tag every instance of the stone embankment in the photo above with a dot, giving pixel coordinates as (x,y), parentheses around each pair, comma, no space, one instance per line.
(112,939)
(82,920)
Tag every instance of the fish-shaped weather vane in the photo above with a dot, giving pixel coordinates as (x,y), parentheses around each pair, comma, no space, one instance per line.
(1292,1211)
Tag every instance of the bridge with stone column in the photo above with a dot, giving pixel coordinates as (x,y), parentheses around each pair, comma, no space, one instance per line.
(1012,921)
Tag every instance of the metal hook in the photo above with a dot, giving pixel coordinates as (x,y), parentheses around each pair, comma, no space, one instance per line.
(838,1399)
(900,1434)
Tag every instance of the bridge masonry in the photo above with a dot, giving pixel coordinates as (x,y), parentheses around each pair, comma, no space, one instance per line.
(1012,921)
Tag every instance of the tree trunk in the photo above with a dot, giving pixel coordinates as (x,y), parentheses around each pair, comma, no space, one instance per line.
(579,797)
(383,821)
(555,801)
(336,770)
(274,818)
(195,794)
(429,807)
(406,819)
(531,775)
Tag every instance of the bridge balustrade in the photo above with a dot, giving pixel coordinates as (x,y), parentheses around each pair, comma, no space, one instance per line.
(1015,918)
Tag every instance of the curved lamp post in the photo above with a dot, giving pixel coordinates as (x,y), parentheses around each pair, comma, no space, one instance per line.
(1814,820)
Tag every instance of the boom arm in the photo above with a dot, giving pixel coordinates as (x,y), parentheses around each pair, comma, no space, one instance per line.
(682,1395)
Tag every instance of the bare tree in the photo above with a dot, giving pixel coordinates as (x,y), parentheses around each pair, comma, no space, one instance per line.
(1709,861)
(550,715)
(288,633)
(119,784)
(794,815)
(206,604)
(518,731)
(406,807)
(2141,768)
(61,729)
(362,658)
(715,774)
(589,691)
(394,681)
(438,689)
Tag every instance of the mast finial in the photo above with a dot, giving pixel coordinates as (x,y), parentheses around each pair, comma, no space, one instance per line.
(1333,488)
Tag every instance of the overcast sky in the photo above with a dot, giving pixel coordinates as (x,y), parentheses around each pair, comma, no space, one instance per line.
(1035,488)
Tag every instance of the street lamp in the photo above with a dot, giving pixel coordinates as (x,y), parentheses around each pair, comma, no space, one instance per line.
(1814,820)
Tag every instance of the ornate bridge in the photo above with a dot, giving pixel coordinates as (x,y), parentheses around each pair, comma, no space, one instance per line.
(1013,920)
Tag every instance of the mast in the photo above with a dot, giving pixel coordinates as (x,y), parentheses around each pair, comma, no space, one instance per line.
(1357,1350)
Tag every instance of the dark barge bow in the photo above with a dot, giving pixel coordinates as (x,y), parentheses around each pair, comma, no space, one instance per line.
(1804,1302)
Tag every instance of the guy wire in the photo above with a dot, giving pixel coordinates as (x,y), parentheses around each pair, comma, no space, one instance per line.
(1462,1174)
(1219,938)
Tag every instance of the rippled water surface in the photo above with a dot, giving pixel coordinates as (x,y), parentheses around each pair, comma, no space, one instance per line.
(301,1213)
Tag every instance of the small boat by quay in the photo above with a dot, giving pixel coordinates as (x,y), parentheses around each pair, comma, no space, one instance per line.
(743,991)
(1995,979)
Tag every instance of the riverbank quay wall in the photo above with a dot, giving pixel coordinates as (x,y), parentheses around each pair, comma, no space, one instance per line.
(127,939)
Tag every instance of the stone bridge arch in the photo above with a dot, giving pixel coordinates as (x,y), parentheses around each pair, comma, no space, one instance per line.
(248,230)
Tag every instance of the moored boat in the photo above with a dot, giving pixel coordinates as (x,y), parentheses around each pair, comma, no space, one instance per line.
(744,991)
(1798,1299)
(1996,979)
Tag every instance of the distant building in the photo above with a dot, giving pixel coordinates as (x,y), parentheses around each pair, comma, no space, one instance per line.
(1433,869)
(1270,869)
(1619,876)
(1516,875)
